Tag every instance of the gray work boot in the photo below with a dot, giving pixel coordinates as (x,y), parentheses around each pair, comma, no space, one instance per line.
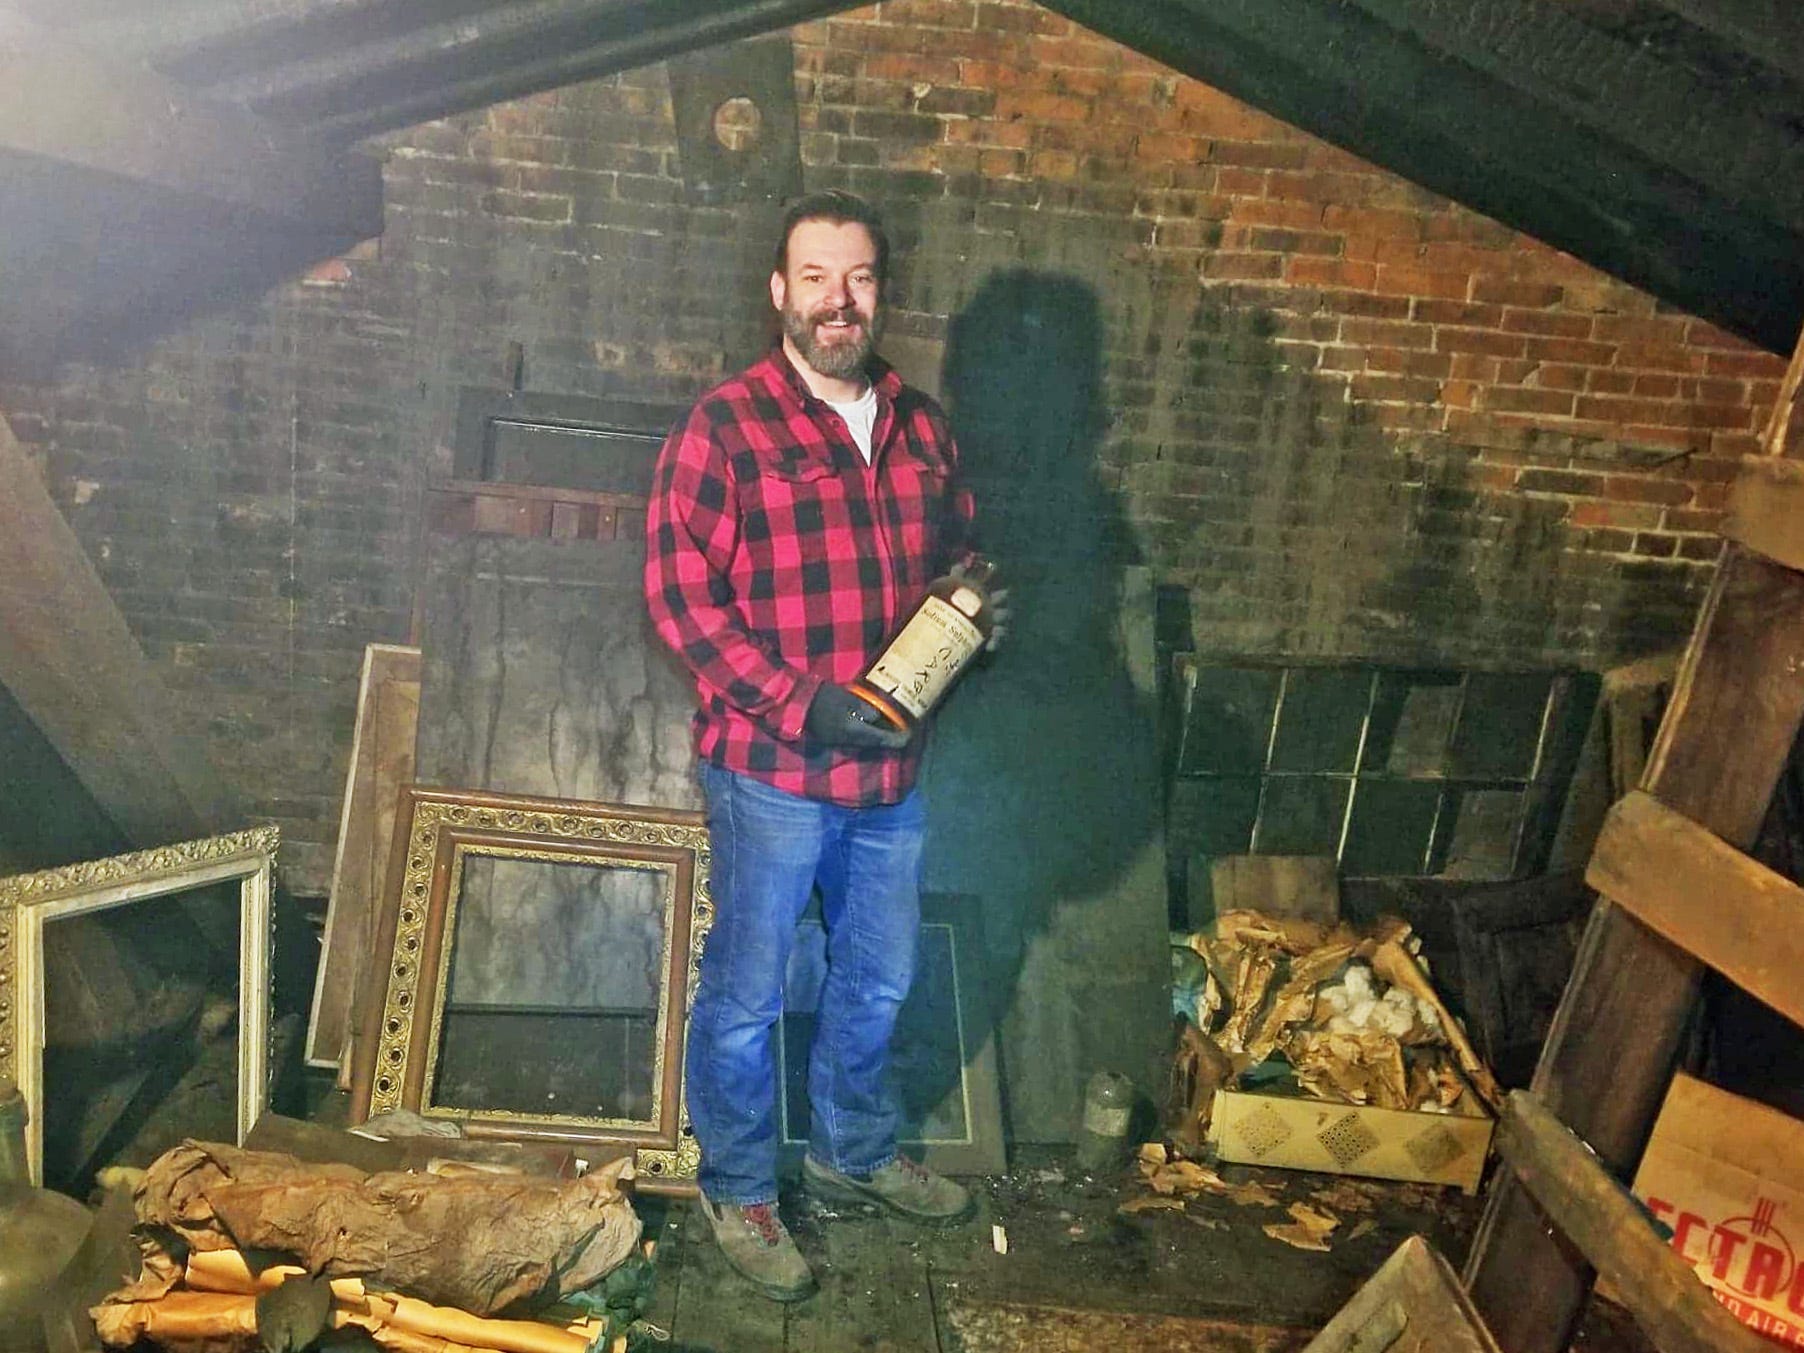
(903,1187)
(758,1246)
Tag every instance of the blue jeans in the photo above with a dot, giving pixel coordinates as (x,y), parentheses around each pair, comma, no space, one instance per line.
(770,849)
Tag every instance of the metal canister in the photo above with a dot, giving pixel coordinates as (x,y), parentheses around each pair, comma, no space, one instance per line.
(1102,1138)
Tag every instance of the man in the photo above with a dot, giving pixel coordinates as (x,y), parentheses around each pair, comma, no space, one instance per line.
(796,517)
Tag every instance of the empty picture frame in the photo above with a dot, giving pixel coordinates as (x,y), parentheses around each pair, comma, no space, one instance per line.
(388,716)
(942,1062)
(31,902)
(533,975)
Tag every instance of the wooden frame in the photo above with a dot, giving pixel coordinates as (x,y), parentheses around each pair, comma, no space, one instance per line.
(950,924)
(1413,1302)
(29,901)
(402,1051)
(388,712)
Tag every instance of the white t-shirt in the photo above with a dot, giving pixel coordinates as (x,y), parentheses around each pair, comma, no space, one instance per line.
(861,416)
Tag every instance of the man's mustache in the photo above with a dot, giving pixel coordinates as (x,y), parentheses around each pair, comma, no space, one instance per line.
(850,314)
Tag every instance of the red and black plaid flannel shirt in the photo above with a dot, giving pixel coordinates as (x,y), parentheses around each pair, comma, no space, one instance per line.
(777,560)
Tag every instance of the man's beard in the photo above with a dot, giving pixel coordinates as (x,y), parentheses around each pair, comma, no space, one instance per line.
(840,357)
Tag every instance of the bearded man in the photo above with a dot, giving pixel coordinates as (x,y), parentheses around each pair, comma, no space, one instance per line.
(797,516)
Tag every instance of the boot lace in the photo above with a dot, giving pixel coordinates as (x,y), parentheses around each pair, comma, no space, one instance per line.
(913,1169)
(762,1218)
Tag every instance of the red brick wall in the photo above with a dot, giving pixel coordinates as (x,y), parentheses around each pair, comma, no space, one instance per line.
(1350,417)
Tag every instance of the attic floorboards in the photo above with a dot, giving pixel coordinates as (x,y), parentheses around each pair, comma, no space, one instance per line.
(1077,1275)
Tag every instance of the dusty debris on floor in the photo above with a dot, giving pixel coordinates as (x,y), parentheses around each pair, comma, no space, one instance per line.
(1079,1272)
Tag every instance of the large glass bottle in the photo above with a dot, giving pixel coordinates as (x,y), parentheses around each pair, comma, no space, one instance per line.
(937,642)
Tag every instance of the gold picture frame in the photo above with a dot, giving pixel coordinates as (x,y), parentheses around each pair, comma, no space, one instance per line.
(30,901)
(505,920)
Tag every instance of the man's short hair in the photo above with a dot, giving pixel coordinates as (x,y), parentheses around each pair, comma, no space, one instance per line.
(839,207)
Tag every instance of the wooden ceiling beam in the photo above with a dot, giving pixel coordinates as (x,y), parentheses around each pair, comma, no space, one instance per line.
(1766,30)
(131,204)
(1335,71)
(72,664)
(516,49)
(1620,90)
(61,105)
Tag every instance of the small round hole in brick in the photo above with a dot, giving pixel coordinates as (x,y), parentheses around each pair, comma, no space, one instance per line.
(737,124)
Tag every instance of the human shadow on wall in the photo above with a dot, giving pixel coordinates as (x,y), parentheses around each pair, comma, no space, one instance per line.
(1042,771)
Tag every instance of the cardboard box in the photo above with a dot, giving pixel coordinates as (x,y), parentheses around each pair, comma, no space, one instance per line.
(1727,1175)
(1299,1133)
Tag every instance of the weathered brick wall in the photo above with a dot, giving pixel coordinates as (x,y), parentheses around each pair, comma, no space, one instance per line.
(1352,418)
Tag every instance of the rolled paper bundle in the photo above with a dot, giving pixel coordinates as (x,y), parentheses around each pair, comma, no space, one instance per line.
(229,1271)
(178,1317)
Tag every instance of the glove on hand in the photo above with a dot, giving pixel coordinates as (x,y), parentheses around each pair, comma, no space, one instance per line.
(995,597)
(838,718)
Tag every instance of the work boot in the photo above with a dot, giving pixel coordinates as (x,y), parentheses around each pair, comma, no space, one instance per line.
(758,1246)
(903,1187)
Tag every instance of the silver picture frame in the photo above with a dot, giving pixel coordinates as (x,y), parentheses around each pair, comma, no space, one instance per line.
(30,902)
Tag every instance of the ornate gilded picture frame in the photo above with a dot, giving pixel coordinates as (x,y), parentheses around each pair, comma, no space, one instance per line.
(31,902)
(534,972)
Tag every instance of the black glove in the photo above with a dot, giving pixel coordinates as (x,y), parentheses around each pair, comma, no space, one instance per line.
(838,718)
(996,598)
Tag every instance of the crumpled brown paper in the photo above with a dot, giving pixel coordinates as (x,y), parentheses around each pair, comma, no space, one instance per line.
(1271,989)
(480,1242)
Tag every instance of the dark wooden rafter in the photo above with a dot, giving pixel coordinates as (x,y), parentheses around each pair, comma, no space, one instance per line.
(71,663)
(61,105)
(1766,29)
(1624,92)
(1337,72)
(129,201)
(460,62)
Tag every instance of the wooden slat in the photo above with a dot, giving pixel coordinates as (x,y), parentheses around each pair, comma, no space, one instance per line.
(1413,1304)
(1766,509)
(382,741)
(70,660)
(1600,1218)
(1729,726)
(1735,707)
(1779,436)
(1723,908)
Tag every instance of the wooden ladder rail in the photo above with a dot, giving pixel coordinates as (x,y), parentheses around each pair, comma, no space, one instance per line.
(1601,1220)
(1726,736)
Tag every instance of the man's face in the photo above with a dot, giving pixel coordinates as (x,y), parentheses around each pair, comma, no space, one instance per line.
(828,296)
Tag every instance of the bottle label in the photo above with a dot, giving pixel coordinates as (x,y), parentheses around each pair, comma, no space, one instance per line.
(1105,1120)
(921,661)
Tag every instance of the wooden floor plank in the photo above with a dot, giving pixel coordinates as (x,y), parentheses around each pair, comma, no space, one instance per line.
(874,1288)
(666,1223)
(716,1309)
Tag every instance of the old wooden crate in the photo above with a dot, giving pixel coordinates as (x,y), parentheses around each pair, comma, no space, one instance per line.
(1270,1127)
